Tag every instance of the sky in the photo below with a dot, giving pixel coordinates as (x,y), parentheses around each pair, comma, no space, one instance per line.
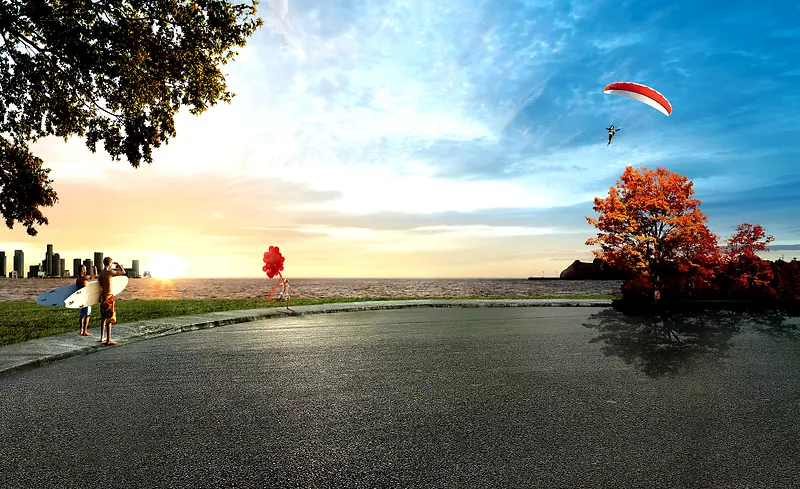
(445,139)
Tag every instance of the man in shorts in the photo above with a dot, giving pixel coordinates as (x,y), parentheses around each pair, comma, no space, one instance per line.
(86,312)
(108,305)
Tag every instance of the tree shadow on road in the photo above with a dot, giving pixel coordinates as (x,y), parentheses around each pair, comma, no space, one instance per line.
(667,344)
(776,325)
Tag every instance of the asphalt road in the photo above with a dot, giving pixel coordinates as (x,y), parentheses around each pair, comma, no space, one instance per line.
(499,397)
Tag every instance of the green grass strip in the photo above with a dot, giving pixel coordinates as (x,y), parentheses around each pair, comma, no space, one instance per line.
(23,321)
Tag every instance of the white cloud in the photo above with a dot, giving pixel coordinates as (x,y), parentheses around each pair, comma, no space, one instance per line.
(472,231)
(337,232)
(614,41)
(377,189)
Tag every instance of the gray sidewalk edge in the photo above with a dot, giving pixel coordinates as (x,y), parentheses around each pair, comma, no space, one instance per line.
(41,351)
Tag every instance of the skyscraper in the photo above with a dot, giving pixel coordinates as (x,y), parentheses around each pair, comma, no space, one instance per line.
(3,272)
(55,268)
(88,264)
(98,260)
(135,267)
(48,264)
(19,263)
(76,267)
(62,267)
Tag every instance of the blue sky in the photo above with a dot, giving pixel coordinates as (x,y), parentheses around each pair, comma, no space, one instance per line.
(407,138)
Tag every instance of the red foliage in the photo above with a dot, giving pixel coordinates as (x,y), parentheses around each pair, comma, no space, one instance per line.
(273,262)
(696,265)
(787,280)
(638,288)
(747,273)
(747,241)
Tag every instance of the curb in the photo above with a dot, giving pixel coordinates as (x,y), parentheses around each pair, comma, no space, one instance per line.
(42,351)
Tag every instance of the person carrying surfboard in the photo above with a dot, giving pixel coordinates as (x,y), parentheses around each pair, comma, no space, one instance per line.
(86,312)
(108,305)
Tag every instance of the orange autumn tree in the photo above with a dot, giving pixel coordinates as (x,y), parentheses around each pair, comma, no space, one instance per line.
(650,227)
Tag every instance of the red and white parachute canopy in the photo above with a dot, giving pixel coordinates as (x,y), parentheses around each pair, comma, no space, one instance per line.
(642,93)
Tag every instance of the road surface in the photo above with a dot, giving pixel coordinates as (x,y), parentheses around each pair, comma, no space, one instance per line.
(453,398)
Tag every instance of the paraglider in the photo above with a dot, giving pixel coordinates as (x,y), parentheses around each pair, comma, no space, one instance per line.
(611,132)
(642,93)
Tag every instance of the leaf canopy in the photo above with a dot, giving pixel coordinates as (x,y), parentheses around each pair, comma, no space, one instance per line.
(112,71)
(650,221)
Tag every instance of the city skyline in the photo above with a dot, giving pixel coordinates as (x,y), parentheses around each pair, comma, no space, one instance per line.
(53,265)
(452,139)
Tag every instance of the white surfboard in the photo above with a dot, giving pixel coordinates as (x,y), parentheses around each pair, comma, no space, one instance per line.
(55,297)
(90,295)
(69,296)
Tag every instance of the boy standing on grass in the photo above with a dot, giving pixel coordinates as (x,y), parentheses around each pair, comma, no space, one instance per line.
(86,312)
(108,305)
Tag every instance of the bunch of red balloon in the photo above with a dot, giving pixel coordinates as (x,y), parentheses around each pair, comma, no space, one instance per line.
(273,265)
(273,262)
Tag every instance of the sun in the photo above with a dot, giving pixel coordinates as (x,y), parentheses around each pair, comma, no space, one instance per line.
(166,267)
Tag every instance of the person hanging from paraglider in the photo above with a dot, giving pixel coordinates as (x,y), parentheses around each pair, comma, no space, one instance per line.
(638,92)
(611,132)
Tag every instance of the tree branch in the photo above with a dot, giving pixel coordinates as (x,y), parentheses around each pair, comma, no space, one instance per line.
(53,62)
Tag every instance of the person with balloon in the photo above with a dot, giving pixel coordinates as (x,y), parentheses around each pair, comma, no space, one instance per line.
(273,266)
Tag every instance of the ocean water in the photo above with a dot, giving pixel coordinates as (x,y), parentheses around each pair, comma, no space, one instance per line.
(246,288)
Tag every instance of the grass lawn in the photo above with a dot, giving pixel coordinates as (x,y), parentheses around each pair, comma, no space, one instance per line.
(22,321)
